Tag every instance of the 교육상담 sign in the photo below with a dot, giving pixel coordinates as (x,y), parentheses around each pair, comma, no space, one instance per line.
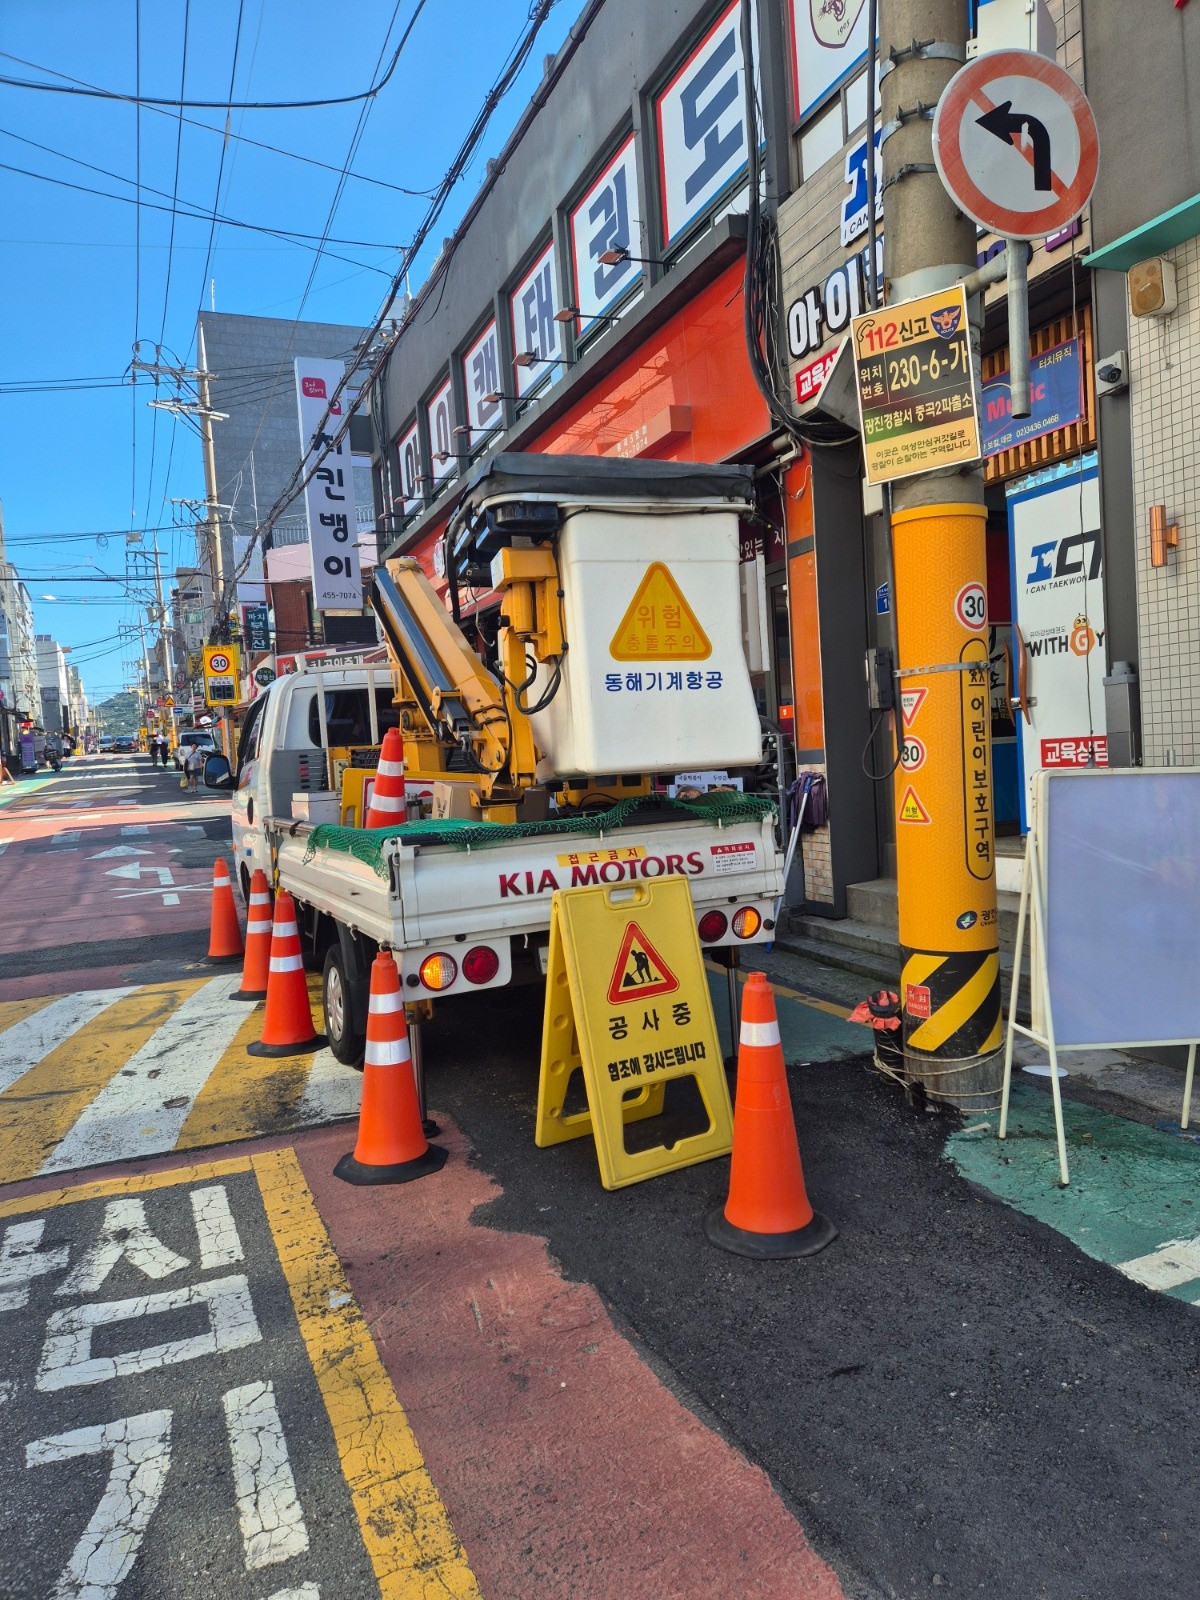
(916,397)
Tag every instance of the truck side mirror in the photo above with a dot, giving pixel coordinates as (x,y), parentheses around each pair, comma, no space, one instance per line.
(217,774)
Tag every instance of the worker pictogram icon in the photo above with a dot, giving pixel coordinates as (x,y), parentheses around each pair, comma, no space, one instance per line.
(911,809)
(640,971)
(1015,144)
(659,624)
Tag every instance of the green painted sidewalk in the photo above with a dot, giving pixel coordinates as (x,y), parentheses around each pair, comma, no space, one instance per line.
(1134,1196)
(810,1029)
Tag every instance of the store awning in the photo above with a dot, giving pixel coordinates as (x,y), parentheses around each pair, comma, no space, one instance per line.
(1151,239)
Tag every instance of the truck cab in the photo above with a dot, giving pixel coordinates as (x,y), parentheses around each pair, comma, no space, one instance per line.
(283,744)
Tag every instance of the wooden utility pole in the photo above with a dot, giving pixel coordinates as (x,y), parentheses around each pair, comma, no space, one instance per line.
(950,983)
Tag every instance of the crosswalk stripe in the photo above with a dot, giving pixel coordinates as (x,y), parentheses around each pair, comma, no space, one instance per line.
(245,1095)
(141,1110)
(44,1103)
(332,1092)
(32,1028)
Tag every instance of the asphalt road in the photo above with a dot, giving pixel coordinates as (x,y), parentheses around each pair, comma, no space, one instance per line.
(951,1398)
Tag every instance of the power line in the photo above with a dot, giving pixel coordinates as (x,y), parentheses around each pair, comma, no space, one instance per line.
(212,230)
(202,105)
(303,474)
(194,214)
(239,137)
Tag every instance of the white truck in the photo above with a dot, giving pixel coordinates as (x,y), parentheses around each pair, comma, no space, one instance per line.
(613,657)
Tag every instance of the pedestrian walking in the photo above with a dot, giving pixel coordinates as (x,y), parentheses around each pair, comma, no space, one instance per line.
(163,743)
(153,745)
(193,766)
(5,775)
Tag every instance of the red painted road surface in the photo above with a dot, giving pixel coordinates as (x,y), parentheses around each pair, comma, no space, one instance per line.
(569,1469)
(58,867)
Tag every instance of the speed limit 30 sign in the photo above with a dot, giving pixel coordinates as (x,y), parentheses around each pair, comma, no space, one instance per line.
(970,607)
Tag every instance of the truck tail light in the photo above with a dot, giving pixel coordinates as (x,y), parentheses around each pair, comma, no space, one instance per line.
(438,971)
(481,964)
(746,922)
(711,926)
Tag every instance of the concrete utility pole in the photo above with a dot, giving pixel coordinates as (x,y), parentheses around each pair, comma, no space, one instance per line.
(216,554)
(950,984)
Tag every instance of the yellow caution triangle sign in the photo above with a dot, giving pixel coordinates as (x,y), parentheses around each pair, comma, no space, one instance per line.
(640,971)
(659,624)
(911,809)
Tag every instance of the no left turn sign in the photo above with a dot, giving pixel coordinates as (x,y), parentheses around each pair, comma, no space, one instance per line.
(1015,144)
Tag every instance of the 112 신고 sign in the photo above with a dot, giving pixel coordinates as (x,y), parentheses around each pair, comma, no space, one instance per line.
(916,396)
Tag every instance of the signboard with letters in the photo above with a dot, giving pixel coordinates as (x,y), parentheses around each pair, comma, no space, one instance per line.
(257,622)
(1056,396)
(1058,606)
(855,220)
(607,217)
(829,41)
(329,496)
(481,377)
(534,331)
(440,411)
(916,397)
(409,454)
(222,664)
(702,147)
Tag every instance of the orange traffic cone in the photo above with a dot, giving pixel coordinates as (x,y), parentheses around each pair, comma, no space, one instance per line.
(225,934)
(257,967)
(287,1020)
(767,1215)
(391,1146)
(387,797)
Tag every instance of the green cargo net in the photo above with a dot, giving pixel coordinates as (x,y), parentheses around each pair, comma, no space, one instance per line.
(366,844)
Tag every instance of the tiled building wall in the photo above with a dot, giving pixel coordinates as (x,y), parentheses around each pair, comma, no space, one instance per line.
(1164,382)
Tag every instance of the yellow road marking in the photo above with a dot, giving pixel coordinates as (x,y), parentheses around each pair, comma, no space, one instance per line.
(841,1012)
(405,1526)
(14,1011)
(41,1107)
(246,1096)
(138,1183)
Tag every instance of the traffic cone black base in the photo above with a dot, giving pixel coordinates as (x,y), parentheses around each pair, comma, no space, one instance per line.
(251,994)
(806,1241)
(430,1128)
(315,1043)
(352,1171)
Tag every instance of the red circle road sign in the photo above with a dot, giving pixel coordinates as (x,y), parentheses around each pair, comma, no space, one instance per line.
(1015,144)
(218,663)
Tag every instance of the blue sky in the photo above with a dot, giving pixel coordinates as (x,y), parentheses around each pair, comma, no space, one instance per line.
(76,291)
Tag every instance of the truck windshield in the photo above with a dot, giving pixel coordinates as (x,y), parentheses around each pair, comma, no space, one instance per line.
(347,716)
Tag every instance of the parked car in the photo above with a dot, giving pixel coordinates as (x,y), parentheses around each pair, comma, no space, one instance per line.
(190,738)
(124,744)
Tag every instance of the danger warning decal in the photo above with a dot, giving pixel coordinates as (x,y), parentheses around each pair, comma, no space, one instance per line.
(640,971)
(659,624)
(911,809)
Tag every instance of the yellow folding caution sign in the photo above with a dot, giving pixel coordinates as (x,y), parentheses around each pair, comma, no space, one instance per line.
(627,1003)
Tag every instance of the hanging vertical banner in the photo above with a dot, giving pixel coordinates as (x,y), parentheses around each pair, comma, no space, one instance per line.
(608,217)
(329,497)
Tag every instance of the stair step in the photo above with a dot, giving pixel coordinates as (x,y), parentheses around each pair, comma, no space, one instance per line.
(875,903)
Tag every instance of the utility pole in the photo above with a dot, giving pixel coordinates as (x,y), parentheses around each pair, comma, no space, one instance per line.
(202,413)
(950,983)
(216,554)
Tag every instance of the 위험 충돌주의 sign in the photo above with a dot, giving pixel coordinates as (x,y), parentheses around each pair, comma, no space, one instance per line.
(916,397)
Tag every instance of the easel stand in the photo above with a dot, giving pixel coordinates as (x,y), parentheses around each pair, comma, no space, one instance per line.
(1031,896)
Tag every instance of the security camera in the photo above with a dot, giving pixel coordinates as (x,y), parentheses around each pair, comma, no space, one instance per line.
(1112,374)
